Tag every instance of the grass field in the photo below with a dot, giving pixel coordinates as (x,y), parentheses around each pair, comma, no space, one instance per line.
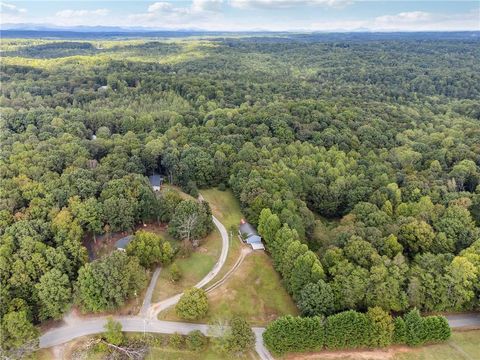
(463,345)
(253,291)
(193,268)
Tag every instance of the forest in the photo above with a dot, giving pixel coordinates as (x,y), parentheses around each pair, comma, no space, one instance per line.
(357,158)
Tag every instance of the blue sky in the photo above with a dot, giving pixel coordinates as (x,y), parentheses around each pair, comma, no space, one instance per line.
(278,15)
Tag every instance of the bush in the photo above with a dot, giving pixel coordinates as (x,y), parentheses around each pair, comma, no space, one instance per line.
(196,341)
(294,334)
(175,273)
(240,338)
(414,332)
(347,330)
(222,187)
(175,341)
(192,305)
(381,327)
(191,189)
(113,332)
(436,328)
(400,332)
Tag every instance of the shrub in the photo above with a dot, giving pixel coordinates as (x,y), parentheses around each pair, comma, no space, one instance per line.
(175,341)
(222,187)
(381,327)
(294,334)
(436,328)
(400,332)
(192,305)
(175,273)
(414,332)
(348,329)
(113,332)
(196,341)
(240,338)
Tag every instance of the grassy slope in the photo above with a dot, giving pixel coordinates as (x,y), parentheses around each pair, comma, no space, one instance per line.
(254,290)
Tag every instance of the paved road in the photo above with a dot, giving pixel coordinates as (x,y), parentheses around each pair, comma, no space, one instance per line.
(164,304)
(464,320)
(82,327)
(147,301)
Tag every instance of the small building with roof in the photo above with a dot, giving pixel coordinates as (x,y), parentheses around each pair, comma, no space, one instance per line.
(156,181)
(121,244)
(249,235)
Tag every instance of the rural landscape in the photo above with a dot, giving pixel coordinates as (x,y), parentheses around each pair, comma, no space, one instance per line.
(215,194)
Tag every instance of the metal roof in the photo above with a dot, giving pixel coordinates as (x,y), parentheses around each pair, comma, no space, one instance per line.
(253,239)
(123,242)
(155,179)
(247,229)
(257,246)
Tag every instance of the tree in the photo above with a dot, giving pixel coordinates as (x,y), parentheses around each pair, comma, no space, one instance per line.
(316,299)
(191,221)
(416,236)
(169,200)
(347,330)
(113,332)
(175,273)
(294,334)
(17,330)
(150,249)
(382,327)
(54,294)
(414,331)
(240,338)
(108,282)
(196,341)
(88,213)
(192,305)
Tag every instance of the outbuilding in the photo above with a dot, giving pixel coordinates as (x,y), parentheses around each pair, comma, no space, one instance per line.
(122,243)
(249,235)
(156,181)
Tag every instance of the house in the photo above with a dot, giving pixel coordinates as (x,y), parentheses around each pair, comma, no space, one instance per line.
(156,181)
(122,243)
(250,236)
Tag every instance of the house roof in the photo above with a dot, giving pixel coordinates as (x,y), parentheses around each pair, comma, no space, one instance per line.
(253,239)
(155,179)
(248,229)
(123,242)
(257,246)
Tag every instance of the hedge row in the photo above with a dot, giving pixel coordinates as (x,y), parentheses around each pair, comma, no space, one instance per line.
(351,329)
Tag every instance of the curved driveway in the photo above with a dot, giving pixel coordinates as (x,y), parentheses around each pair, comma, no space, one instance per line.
(164,304)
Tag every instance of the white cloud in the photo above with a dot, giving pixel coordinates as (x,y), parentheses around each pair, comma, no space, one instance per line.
(406,21)
(165,15)
(160,6)
(81,13)
(279,4)
(7,8)
(404,18)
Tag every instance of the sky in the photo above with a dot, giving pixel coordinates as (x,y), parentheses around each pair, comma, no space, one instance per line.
(249,15)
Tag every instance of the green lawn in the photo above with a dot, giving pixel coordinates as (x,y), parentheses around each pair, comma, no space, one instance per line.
(253,291)
(193,268)
(225,207)
(464,345)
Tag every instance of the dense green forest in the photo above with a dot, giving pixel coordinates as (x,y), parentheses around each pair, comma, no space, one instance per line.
(379,139)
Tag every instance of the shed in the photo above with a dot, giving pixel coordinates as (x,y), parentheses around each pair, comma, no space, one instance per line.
(122,243)
(257,246)
(156,181)
(246,230)
(253,239)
